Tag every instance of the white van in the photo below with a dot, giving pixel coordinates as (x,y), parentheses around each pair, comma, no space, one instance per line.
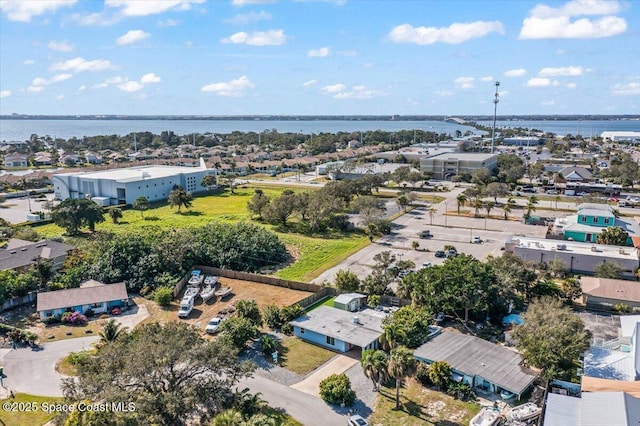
(186,306)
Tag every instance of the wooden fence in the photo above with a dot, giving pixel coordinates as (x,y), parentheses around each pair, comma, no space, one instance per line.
(319,292)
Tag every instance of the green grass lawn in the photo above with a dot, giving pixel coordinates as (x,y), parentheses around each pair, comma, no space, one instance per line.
(327,301)
(421,406)
(313,254)
(32,418)
(301,357)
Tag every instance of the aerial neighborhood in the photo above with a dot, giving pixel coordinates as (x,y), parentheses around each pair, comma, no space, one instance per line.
(485,280)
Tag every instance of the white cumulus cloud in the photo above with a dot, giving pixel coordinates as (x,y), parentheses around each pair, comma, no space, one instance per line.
(23,10)
(28,62)
(334,88)
(454,34)
(79,64)
(545,22)
(60,97)
(235,87)
(248,18)
(130,86)
(60,46)
(5,93)
(258,38)
(309,83)
(487,78)
(150,78)
(132,36)
(542,82)
(444,93)
(39,81)
(571,85)
(629,89)
(359,92)
(318,53)
(570,71)
(464,82)
(149,7)
(518,72)
(548,103)
(35,89)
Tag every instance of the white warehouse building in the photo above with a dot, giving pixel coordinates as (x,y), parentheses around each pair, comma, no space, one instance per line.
(123,186)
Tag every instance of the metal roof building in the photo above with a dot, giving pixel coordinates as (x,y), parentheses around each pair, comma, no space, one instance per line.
(592,409)
(478,362)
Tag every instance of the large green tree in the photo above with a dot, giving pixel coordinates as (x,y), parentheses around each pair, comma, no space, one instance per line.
(169,372)
(409,324)
(462,285)
(613,236)
(74,213)
(611,269)
(552,337)
(346,280)
(258,203)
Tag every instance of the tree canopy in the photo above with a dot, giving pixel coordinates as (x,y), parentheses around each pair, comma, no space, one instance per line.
(74,213)
(613,236)
(179,197)
(551,337)
(169,372)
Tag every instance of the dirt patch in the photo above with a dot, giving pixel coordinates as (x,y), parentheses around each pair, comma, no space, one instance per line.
(263,294)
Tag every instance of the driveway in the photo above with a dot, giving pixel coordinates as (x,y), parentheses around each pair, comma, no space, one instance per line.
(33,371)
(311,384)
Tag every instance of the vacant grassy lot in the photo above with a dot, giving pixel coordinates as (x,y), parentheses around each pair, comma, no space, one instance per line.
(420,406)
(313,254)
(301,357)
(21,417)
(263,294)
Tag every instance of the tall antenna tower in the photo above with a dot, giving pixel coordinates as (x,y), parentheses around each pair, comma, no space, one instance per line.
(495,112)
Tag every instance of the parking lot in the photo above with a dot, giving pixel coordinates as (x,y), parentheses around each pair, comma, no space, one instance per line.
(459,232)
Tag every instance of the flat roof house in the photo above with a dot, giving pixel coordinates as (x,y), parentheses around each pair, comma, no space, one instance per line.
(445,165)
(94,295)
(340,330)
(123,186)
(478,363)
(21,254)
(582,258)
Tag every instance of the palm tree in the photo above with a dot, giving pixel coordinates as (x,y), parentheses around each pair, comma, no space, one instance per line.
(462,201)
(393,335)
(531,204)
(374,366)
(402,363)
(179,197)
(477,204)
(556,199)
(508,207)
(432,212)
(142,204)
(111,331)
(488,206)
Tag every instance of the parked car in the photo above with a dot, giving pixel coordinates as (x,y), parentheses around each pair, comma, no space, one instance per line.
(582,194)
(184,311)
(452,253)
(440,253)
(357,420)
(553,192)
(213,325)
(476,240)
(440,317)
(425,234)
(426,264)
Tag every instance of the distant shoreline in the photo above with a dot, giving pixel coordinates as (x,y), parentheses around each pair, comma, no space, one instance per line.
(466,118)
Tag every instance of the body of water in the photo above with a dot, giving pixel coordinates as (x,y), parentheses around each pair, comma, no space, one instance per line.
(573,127)
(19,130)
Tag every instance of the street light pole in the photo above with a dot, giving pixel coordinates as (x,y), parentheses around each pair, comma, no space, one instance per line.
(445,214)
(495,112)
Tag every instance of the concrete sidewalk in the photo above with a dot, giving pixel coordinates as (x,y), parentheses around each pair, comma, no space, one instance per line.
(311,384)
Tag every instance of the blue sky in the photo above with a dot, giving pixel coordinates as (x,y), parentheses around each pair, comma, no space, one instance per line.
(311,57)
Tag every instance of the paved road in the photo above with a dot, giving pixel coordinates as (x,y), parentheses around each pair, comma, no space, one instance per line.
(33,372)
(308,410)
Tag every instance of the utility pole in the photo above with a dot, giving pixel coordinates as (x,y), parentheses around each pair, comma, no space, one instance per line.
(495,112)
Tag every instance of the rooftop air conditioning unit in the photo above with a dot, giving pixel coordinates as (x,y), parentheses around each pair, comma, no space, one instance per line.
(356,320)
